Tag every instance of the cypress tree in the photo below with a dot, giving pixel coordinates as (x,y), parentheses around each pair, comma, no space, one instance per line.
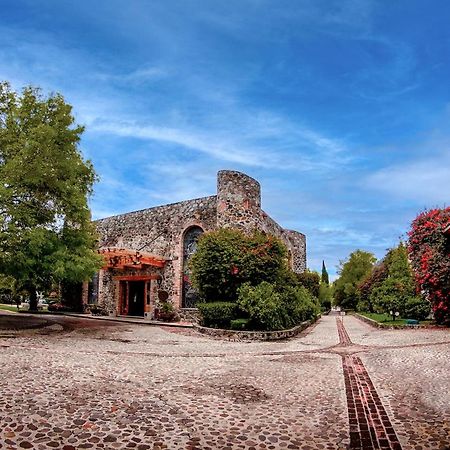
(324,278)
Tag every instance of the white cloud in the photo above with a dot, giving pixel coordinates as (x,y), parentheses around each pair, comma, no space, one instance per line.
(138,76)
(426,180)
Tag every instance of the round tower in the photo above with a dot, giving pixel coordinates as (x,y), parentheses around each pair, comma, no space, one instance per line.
(238,200)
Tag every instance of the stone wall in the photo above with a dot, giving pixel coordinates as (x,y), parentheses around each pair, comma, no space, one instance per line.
(238,200)
(247,336)
(298,250)
(160,231)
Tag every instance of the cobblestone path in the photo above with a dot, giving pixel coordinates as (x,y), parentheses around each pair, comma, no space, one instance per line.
(79,384)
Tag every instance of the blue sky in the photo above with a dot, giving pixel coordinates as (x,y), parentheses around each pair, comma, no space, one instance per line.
(341,109)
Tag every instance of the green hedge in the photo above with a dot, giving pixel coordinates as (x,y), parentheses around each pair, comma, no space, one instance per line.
(217,314)
(239,324)
(270,310)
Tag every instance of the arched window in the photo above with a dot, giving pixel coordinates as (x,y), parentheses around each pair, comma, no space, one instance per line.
(190,295)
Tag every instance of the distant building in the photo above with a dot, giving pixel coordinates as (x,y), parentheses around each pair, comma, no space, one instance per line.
(147,252)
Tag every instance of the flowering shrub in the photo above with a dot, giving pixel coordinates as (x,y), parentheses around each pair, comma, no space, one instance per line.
(429,252)
(225,259)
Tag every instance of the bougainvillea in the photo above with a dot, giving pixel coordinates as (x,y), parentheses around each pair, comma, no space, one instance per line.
(429,252)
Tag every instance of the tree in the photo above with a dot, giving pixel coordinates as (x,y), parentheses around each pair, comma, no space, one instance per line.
(389,287)
(351,272)
(311,281)
(372,280)
(227,258)
(429,252)
(46,235)
(325,296)
(324,278)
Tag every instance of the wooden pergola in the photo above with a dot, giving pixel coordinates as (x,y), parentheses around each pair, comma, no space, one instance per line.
(122,258)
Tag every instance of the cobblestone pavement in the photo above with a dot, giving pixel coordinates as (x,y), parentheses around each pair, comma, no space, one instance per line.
(75,385)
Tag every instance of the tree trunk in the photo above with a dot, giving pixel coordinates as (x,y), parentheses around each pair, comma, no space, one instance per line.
(33,298)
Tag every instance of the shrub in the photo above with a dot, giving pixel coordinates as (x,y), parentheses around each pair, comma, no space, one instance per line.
(272,310)
(167,312)
(389,296)
(325,296)
(225,259)
(239,324)
(97,310)
(364,306)
(300,305)
(311,281)
(263,305)
(429,252)
(217,314)
(58,307)
(417,308)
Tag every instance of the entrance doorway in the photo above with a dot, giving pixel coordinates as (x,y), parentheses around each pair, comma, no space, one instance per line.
(133,298)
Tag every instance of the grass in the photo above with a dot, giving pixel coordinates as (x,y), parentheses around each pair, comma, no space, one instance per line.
(12,308)
(386,319)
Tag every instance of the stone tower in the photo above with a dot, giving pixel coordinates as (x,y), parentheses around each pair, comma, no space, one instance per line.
(238,200)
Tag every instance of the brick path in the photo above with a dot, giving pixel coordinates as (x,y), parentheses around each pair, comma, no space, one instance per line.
(369,424)
(78,385)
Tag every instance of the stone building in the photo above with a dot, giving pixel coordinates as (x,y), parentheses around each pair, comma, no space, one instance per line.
(146,252)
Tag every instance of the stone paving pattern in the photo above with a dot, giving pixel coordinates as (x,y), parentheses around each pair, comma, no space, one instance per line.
(91,384)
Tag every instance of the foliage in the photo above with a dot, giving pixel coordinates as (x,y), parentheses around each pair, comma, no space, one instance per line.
(386,319)
(352,271)
(7,289)
(429,252)
(272,310)
(397,288)
(324,278)
(227,258)
(372,280)
(239,324)
(167,307)
(300,305)
(217,314)
(389,296)
(97,310)
(263,305)
(46,234)
(417,308)
(59,307)
(311,281)
(325,296)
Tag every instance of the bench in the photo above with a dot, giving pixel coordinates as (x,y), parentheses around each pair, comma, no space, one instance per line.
(412,322)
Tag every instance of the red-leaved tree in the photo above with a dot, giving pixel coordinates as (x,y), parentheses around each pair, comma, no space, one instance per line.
(429,252)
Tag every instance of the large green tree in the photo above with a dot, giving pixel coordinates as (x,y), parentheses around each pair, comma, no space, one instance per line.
(394,293)
(227,258)
(46,235)
(352,272)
